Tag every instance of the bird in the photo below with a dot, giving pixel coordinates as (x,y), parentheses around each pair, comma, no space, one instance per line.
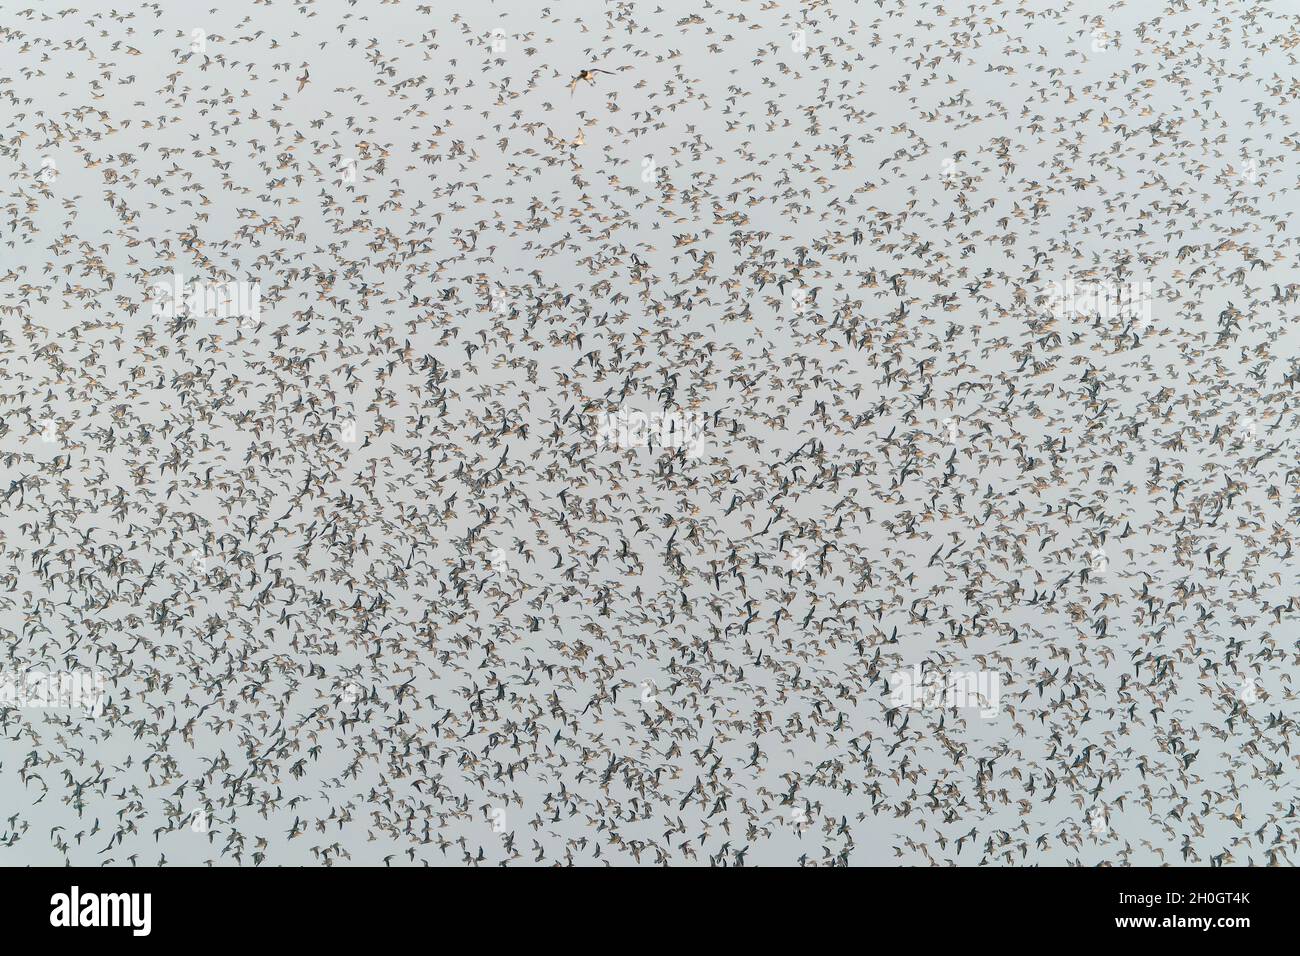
(854,439)
(586,75)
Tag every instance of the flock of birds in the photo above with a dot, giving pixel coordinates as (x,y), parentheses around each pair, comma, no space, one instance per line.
(365,580)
